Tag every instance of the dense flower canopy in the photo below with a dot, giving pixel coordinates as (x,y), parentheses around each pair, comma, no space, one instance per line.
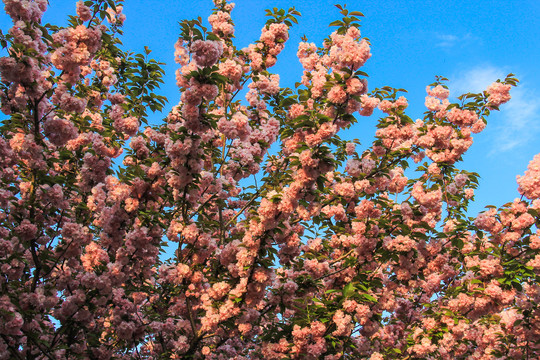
(204,243)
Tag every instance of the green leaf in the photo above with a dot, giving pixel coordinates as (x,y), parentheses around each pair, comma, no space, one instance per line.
(348,290)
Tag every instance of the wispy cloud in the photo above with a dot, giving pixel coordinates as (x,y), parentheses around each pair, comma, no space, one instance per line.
(518,123)
(521,119)
(476,79)
(447,41)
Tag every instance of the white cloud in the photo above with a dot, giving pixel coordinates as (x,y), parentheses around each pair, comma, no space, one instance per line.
(521,119)
(448,41)
(476,79)
(518,122)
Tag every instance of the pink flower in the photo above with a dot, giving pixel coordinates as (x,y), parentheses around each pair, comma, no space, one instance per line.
(348,52)
(509,317)
(94,256)
(206,53)
(469,193)
(83,11)
(400,243)
(296,110)
(429,199)
(462,117)
(350,148)
(490,266)
(181,55)
(433,103)
(125,330)
(343,324)
(307,54)
(274,34)
(116,17)
(478,126)
(266,84)
(438,92)
(499,93)
(221,23)
(345,189)
(356,86)
(337,95)
(26,10)
(368,105)
(529,184)
(231,69)
(59,131)
(461,179)
(128,125)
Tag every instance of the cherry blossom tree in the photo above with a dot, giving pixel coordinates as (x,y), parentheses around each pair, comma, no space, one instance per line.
(204,244)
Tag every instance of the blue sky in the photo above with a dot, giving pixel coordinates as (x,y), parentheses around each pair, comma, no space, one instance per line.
(470,42)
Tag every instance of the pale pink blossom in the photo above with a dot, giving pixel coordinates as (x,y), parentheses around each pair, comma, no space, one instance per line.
(529,184)
(206,53)
(499,93)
